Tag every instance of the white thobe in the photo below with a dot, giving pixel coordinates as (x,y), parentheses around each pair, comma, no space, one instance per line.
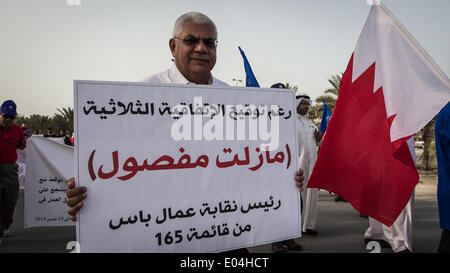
(399,235)
(307,156)
(173,75)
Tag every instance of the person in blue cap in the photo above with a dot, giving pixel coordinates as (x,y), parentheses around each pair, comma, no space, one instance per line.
(442,135)
(11,139)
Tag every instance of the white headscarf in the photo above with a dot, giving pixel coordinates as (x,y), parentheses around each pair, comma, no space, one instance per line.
(299,97)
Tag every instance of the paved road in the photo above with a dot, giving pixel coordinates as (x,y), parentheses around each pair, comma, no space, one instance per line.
(340,229)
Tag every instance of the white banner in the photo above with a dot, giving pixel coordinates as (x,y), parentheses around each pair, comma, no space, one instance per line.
(48,165)
(183,168)
(21,159)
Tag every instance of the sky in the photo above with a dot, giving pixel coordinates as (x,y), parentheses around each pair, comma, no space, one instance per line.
(46,44)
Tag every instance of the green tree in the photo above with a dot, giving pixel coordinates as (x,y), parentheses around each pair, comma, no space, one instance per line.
(330,97)
(63,119)
(67,113)
(39,122)
(429,150)
(331,94)
(315,113)
(288,86)
(20,119)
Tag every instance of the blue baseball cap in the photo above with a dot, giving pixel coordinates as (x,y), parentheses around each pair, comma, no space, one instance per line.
(8,108)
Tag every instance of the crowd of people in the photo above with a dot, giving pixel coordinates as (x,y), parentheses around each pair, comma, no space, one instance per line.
(67,135)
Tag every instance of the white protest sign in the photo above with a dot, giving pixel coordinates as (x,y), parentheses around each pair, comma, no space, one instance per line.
(184,168)
(48,165)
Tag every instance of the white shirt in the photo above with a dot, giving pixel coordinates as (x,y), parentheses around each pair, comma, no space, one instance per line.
(173,75)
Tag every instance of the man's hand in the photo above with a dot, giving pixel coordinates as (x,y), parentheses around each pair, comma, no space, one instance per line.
(299,178)
(318,135)
(23,144)
(75,196)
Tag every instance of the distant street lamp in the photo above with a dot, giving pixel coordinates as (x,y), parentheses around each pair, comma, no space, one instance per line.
(237,81)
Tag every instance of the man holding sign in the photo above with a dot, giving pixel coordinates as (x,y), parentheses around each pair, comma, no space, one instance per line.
(193,47)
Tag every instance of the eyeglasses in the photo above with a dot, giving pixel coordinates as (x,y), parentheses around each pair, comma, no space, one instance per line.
(192,40)
(11,117)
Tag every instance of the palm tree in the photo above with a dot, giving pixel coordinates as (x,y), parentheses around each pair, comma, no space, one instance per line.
(64,119)
(428,147)
(67,113)
(331,94)
(20,119)
(335,81)
(315,113)
(38,122)
(288,86)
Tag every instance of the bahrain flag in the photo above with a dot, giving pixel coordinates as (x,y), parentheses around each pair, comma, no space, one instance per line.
(390,90)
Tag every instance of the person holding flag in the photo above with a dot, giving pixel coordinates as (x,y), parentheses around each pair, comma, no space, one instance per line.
(398,236)
(442,135)
(388,78)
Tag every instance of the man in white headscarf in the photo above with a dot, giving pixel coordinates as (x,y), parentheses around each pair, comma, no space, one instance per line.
(290,244)
(309,138)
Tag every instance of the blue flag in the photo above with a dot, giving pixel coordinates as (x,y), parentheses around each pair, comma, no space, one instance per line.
(326,114)
(250,80)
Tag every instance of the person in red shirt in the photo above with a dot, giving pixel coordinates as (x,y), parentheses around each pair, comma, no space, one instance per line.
(11,139)
(72,139)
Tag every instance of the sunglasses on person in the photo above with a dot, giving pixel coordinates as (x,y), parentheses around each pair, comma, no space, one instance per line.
(192,40)
(11,117)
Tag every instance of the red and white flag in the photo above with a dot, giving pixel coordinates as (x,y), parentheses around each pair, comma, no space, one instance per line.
(390,90)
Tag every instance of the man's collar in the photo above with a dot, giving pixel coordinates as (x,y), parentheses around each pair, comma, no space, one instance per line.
(303,117)
(176,76)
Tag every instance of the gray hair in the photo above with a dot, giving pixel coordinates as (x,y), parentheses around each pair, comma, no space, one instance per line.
(195,17)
